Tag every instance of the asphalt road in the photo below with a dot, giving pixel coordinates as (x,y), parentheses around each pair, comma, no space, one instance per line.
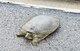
(12,17)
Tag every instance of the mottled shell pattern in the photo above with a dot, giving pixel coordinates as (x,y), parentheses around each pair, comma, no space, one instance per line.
(39,27)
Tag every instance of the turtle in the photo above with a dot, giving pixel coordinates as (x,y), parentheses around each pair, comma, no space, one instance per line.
(39,27)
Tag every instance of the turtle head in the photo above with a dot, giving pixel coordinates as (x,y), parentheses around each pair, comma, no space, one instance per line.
(21,33)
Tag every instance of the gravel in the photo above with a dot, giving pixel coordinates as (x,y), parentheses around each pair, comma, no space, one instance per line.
(12,17)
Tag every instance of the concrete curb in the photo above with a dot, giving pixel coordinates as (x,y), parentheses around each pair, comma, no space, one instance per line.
(40,6)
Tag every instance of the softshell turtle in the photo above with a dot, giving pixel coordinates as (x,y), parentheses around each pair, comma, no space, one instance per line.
(39,27)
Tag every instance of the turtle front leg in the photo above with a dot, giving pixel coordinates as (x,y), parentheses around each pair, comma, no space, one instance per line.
(35,40)
(28,35)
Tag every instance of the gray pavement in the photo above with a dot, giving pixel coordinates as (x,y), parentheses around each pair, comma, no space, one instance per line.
(12,17)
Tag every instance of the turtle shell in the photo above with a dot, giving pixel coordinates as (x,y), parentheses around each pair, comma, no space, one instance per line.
(39,27)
